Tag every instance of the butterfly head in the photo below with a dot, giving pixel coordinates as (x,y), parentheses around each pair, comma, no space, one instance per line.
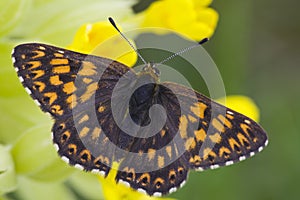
(152,70)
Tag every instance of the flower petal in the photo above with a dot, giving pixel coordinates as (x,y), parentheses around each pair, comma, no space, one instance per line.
(103,39)
(241,104)
(194,20)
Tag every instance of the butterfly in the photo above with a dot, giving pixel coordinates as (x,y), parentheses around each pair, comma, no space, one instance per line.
(88,99)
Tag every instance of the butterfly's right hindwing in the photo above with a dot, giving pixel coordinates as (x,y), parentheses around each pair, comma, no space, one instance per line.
(222,136)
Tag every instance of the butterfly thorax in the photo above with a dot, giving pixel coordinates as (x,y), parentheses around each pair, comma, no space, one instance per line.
(145,94)
(152,70)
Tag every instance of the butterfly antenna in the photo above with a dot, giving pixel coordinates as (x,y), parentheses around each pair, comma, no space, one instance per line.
(115,26)
(183,51)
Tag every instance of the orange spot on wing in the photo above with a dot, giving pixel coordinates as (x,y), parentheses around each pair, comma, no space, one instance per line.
(245,128)
(69,88)
(38,73)
(59,55)
(71,100)
(61,69)
(162,132)
(56,109)
(208,152)
(151,154)
(59,61)
(183,126)
(242,139)
(200,135)
(72,149)
(84,131)
(65,136)
(218,125)
(216,138)
(144,179)
(84,119)
(195,160)
(192,119)
(199,109)
(34,64)
(233,143)
(101,109)
(54,80)
(86,153)
(169,151)
(87,80)
(40,86)
(87,69)
(190,143)
(160,161)
(96,133)
(52,97)
(90,91)
(224,151)
(225,121)
(229,116)
(38,54)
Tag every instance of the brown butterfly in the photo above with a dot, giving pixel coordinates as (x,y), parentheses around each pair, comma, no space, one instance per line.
(77,90)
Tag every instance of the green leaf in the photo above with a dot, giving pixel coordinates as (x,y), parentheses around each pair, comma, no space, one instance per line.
(87,184)
(11,13)
(8,180)
(30,190)
(36,157)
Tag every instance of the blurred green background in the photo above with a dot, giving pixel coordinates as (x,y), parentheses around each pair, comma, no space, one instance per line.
(256,47)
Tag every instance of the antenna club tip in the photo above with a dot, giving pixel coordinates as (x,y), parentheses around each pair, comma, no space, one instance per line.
(203,41)
(110,19)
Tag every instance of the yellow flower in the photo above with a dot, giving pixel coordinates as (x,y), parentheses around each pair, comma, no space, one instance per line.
(113,191)
(103,39)
(192,18)
(241,104)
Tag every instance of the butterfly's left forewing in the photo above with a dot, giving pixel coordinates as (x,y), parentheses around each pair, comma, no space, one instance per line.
(50,75)
(65,83)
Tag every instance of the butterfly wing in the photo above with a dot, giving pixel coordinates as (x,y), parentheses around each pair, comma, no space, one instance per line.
(48,74)
(199,134)
(64,83)
(222,136)
(76,89)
